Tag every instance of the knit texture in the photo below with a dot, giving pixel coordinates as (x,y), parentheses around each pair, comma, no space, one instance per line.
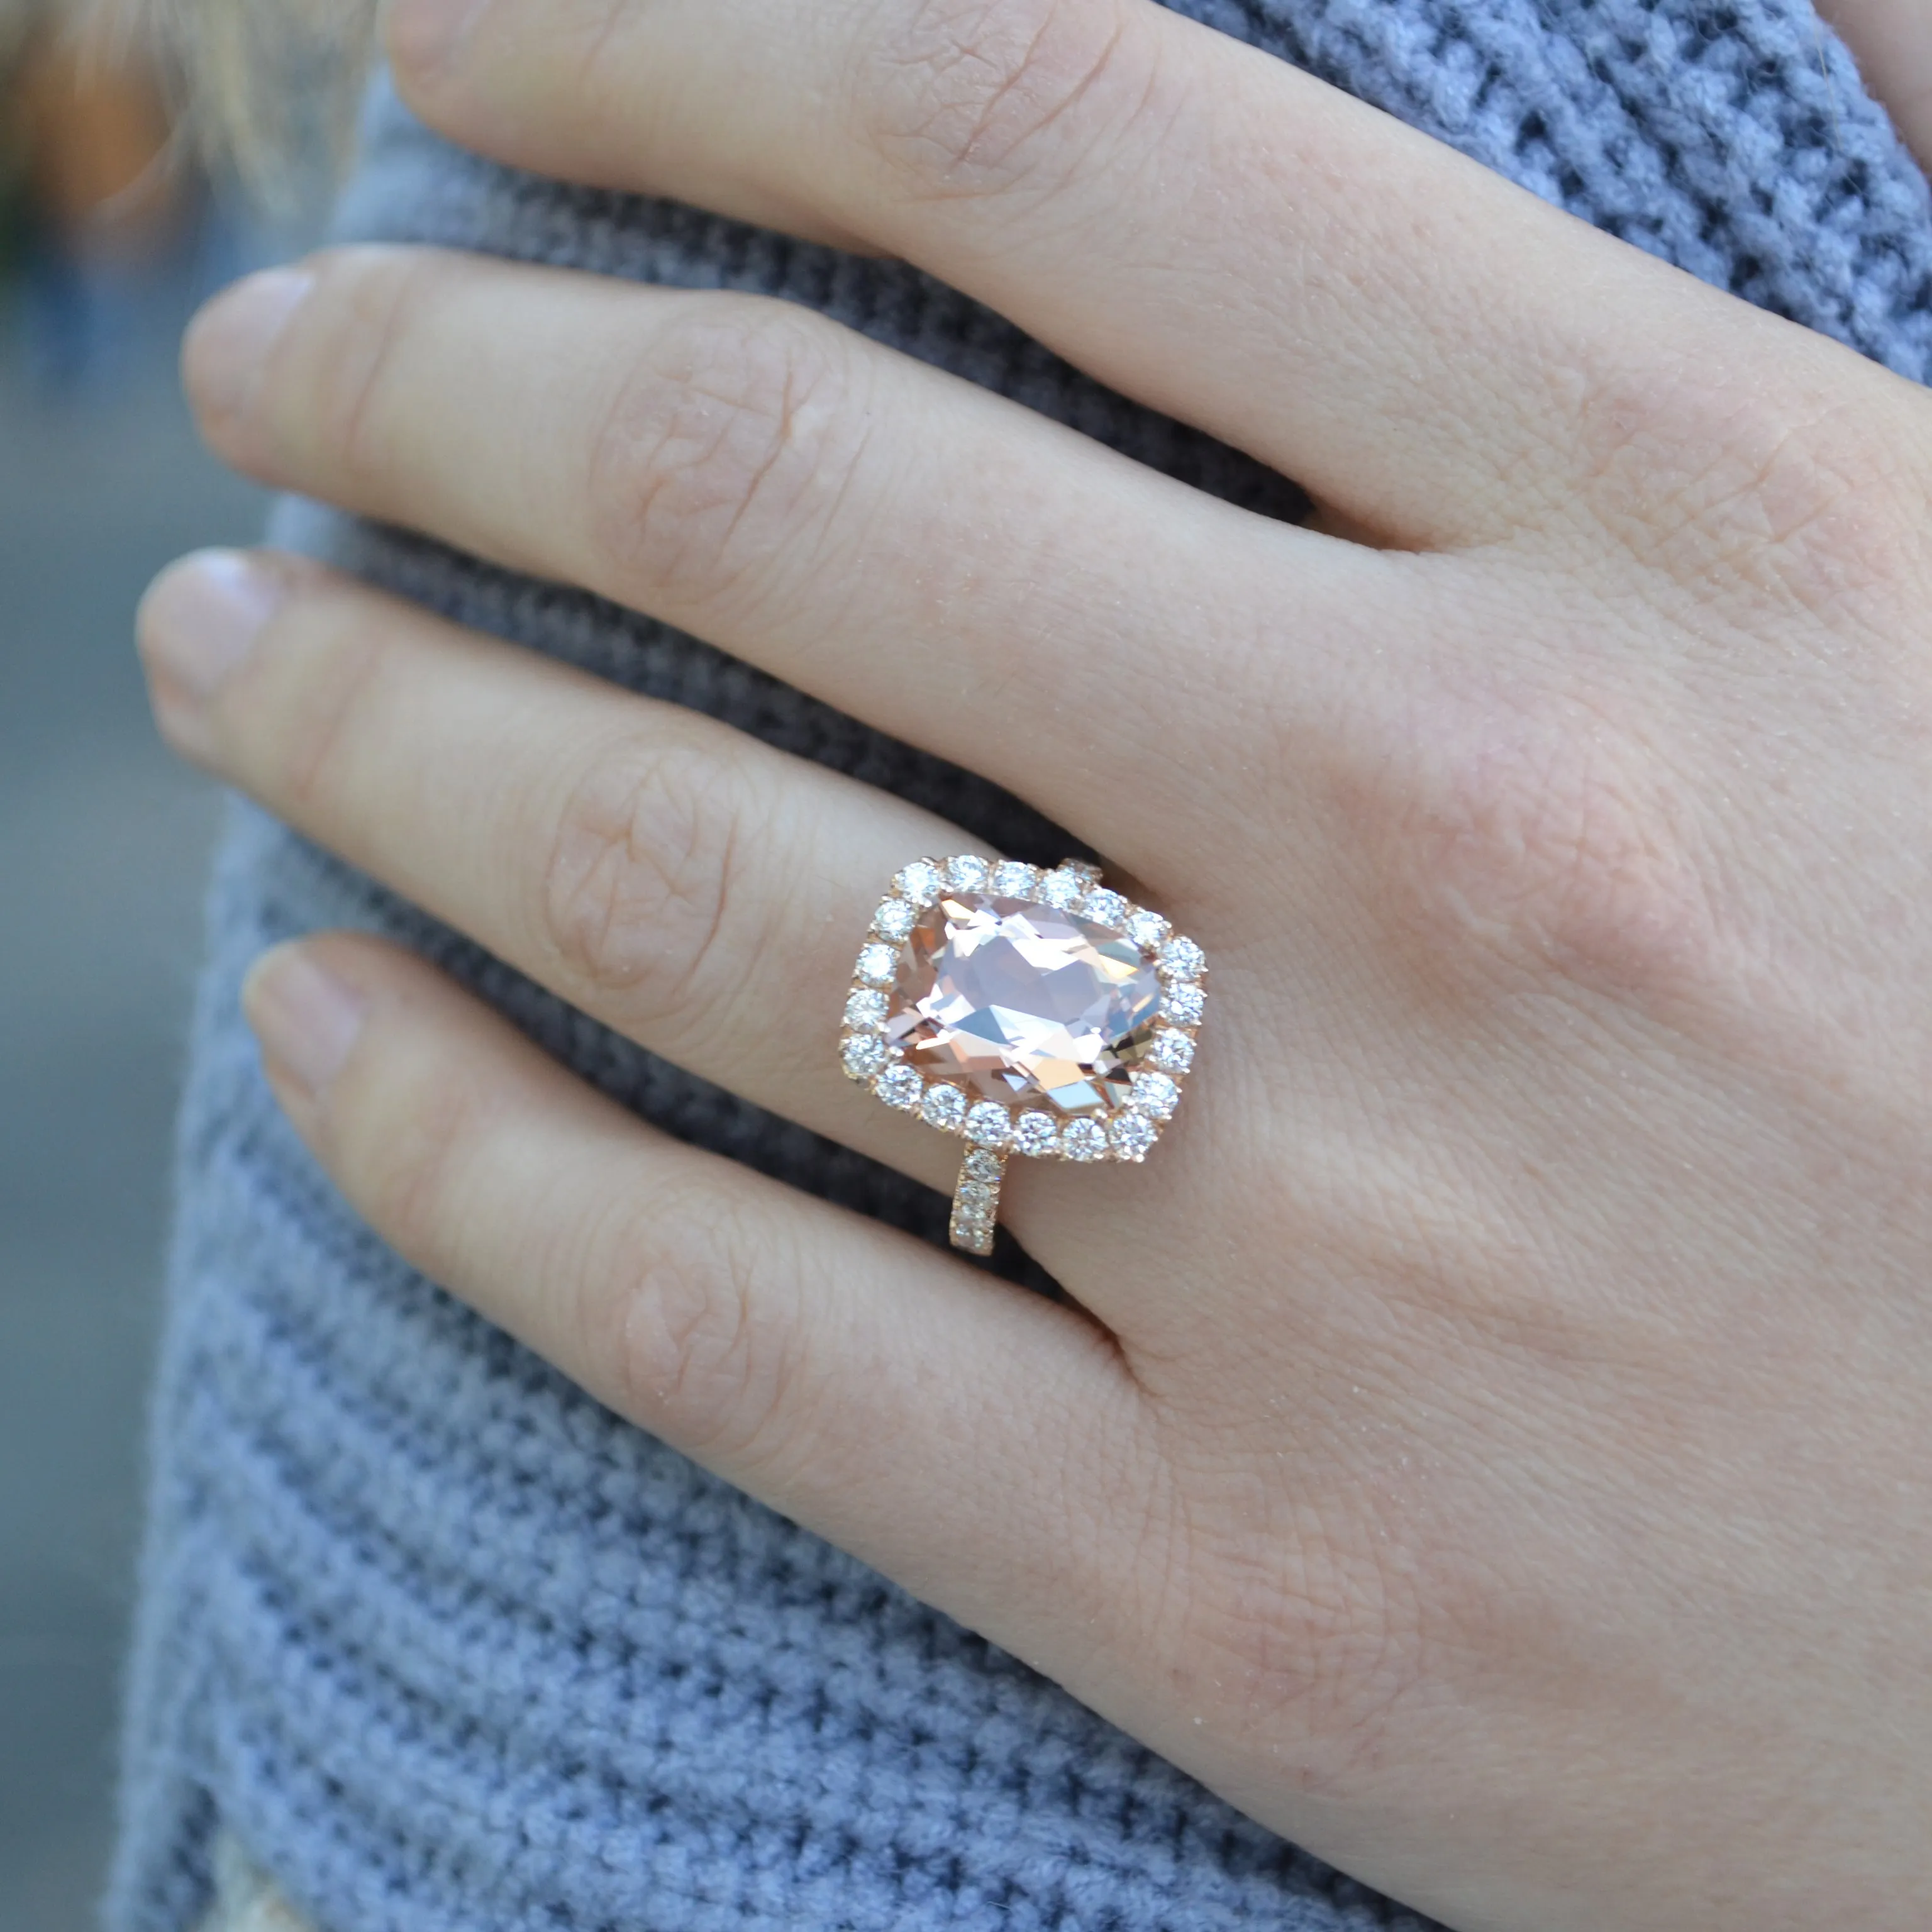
(449,1648)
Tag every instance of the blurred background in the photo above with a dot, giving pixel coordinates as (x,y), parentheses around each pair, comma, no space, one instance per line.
(105,243)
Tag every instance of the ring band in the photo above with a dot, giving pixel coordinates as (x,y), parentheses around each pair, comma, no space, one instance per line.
(1030,1011)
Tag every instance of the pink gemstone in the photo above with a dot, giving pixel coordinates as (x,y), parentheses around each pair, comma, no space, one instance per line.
(1018,1001)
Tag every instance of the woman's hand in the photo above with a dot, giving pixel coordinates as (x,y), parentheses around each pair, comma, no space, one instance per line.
(1492,1443)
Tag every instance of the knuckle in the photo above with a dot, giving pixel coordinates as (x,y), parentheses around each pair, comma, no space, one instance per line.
(634,891)
(972,98)
(1760,498)
(1300,1634)
(1550,835)
(313,682)
(403,1138)
(724,445)
(703,1349)
(367,305)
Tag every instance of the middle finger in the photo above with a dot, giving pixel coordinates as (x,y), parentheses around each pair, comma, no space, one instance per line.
(949,566)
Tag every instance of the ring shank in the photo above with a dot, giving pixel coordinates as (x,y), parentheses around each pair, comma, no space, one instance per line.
(976,1200)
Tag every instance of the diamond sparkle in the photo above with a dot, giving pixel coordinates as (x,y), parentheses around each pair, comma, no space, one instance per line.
(894,919)
(865,1054)
(899,1086)
(1184,1003)
(1182,959)
(866,1010)
(989,1124)
(1173,1050)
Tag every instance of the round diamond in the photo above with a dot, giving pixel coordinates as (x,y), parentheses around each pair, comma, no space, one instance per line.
(1183,1004)
(866,1010)
(1083,1140)
(1148,931)
(1062,890)
(974,1198)
(894,918)
(1173,1050)
(1035,1133)
(981,1166)
(899,1086)
(1132,1134)
(1013,879)
(1103,907)
(1155,1093)
(865,1054)
(919,881)
(1182,959)
(877,965)
(990,1124)
(944,1106)
(966,873)
(1023,1004)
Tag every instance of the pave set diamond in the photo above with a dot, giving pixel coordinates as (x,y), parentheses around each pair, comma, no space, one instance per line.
(1031,1010)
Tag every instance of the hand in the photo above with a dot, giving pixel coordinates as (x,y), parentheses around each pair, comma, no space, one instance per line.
(1492,1443)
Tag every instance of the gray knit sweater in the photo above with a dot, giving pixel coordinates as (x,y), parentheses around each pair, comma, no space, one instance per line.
(450,1648)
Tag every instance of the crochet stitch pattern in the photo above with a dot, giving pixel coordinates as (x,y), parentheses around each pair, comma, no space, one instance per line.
(446,1646)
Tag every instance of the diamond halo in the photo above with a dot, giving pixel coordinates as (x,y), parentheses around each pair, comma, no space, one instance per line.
(1029,1011)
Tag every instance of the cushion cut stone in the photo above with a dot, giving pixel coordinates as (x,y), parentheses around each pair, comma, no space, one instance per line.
(1019,1000)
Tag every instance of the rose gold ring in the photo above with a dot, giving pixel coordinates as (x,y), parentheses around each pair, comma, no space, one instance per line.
(1028,1010)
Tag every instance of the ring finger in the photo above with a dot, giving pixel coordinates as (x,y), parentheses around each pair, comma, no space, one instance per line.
(675,878)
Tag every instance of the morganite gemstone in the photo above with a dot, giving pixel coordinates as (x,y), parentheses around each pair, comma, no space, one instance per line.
(1018,1002)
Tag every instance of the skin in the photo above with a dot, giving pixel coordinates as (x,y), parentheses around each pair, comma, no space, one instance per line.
(1491,1444)
(1892,40)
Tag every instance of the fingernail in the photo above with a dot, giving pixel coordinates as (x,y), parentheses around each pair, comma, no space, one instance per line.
(228,342)
(426,36)
(305,1017)
(199,621)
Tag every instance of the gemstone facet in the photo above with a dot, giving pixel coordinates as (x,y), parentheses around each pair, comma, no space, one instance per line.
(1021,1000)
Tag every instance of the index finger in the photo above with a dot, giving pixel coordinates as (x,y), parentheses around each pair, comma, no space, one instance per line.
(1432,350)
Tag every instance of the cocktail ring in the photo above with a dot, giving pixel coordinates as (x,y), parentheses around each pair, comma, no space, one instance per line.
(1030,1011)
